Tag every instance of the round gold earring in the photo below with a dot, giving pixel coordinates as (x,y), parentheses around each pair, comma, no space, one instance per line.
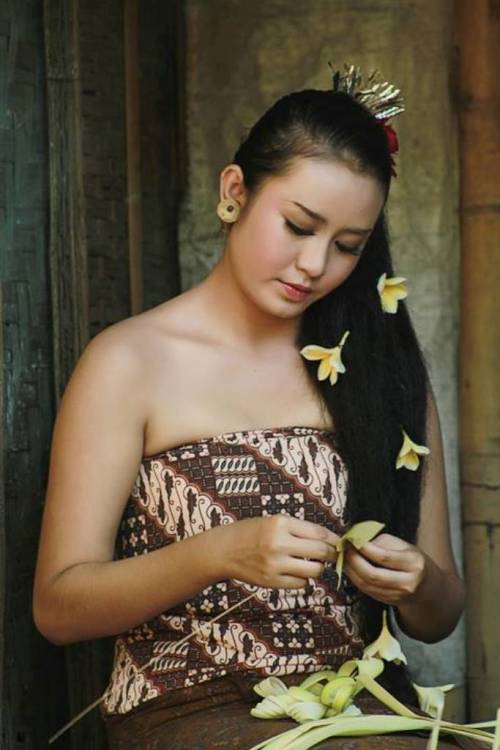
(228,210)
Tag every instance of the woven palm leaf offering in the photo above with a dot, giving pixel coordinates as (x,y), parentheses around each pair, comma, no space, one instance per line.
(324,704)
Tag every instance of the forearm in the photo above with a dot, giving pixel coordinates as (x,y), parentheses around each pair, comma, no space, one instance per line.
(96,599)
(432,613)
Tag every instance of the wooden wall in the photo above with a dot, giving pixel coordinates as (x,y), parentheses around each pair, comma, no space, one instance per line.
(32,703)
(64,202)
(478,44)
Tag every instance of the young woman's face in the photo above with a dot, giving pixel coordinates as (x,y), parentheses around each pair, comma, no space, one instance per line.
(277,241)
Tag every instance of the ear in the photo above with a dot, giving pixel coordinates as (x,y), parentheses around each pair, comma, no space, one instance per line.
(232,184)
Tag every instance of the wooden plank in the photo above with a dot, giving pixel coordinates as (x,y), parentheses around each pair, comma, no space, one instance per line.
(32,704)
(134,184)
(478,41)
(70,293)
(67,251)
(163,144)
(483,553)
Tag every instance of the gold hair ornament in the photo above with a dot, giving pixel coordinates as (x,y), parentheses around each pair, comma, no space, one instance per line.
(382,98)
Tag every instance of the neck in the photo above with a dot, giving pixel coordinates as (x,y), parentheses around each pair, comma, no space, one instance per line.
(238,318)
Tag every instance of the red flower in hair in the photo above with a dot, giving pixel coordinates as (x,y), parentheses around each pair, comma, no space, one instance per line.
(392,142)
(392,138)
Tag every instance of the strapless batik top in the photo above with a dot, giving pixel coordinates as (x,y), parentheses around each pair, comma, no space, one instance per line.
(218,480)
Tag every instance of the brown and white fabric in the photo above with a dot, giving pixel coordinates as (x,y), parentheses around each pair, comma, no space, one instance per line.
(218,480)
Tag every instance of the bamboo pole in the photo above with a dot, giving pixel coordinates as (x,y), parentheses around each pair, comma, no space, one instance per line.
(134,187)
(478,42)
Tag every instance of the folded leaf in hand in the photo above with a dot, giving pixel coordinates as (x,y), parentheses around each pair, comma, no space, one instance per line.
(357,535)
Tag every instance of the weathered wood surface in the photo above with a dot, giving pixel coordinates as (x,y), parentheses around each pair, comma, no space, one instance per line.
(133,130)
(163,144)
(72,231)
(91,38)
(67,244)
(31,702)
(478,42)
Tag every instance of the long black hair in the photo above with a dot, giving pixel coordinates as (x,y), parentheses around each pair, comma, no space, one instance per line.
(386,383)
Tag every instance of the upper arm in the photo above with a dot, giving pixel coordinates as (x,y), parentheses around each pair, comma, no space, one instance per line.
(96,450)
(433,535)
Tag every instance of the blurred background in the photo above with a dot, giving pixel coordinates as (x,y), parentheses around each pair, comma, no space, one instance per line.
(116,118)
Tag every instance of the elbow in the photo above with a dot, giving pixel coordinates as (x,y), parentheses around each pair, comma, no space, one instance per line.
(46,627)
(49,622)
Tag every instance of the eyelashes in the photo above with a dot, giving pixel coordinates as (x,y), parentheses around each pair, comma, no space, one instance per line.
(298,230)
(307,233)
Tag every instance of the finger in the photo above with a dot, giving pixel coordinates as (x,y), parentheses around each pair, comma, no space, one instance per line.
(387,558)
(302,568)
(312,550)
(386,595)
(309,530)
(375,576)
(390,542)
(291,582)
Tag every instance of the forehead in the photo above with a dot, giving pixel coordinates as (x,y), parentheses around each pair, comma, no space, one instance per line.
(329,188)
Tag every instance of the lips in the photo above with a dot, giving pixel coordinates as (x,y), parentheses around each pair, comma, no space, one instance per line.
(299,287)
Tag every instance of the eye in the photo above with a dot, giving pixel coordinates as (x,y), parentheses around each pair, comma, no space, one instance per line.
(307,233)
(297,230)
(347,249)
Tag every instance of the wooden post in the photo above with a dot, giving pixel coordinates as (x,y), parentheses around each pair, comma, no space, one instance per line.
(67,249)
(134,187)
(478,42)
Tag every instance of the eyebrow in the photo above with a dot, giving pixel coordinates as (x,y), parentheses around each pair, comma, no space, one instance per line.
(322,219)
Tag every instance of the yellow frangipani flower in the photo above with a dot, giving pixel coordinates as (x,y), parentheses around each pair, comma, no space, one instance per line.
(391,290)
(408,456)
(385,646)
(430,698)
(331,363)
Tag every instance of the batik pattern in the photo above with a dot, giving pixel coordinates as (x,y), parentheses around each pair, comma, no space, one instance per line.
(219,480)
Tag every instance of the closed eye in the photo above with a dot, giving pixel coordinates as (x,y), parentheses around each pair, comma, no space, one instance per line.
(307,233)
(298,230)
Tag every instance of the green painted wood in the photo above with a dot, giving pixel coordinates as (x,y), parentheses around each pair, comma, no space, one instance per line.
(63,278)
(32,676)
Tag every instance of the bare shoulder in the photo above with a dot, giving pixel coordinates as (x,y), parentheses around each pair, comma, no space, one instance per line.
(132,345)
(97,443)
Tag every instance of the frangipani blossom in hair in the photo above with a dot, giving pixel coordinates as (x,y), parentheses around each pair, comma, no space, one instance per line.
(331,363)
(409,454)
(391,290)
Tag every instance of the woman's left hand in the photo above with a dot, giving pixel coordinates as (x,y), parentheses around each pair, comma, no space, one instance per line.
(387,569)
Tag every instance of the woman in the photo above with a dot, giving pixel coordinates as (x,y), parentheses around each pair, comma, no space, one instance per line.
(202,463)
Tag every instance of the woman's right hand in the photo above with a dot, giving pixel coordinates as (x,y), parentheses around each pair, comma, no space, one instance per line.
(277,551)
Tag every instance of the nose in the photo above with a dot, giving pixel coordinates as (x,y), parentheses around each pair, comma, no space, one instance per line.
(312,259)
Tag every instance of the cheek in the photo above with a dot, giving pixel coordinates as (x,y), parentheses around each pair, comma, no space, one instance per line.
(341,266)
(266,250)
